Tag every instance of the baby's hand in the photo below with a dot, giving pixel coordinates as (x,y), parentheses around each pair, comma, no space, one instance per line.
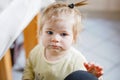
(94,69)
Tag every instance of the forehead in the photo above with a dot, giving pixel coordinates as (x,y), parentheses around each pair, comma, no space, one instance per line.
(59,24)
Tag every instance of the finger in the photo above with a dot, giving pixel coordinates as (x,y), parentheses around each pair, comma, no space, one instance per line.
(98,68)
(99,74)
(86,66)
(91,68)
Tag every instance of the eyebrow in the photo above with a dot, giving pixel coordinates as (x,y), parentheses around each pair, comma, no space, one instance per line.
(49,28)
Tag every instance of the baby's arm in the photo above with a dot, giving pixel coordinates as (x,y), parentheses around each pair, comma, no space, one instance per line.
(28,71)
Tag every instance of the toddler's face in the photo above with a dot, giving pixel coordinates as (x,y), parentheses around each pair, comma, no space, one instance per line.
(57,35)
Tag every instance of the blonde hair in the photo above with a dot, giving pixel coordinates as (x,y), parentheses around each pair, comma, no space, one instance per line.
(58,9)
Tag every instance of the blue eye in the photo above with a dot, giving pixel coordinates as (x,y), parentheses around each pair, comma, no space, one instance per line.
(49,32)
(64,34)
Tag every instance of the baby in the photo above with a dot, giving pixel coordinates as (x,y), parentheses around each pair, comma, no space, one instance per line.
(55,58)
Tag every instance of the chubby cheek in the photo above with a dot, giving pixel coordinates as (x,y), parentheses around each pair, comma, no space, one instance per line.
(67,44)
(45,40)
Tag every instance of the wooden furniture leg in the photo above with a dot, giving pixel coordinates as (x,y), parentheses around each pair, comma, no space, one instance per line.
(30,36)
(6,67)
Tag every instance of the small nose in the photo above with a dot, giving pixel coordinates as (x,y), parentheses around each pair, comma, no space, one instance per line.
(55,38)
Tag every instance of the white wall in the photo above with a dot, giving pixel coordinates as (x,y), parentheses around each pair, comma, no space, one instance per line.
(102,5)
(99,5)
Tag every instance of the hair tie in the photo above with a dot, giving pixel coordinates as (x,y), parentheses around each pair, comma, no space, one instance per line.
(71,6)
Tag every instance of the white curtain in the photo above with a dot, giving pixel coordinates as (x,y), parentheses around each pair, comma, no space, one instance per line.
(15,18)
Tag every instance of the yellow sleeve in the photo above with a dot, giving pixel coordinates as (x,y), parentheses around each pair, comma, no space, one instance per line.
(28,73)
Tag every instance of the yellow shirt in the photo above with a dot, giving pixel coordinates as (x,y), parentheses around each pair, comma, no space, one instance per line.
(38,68)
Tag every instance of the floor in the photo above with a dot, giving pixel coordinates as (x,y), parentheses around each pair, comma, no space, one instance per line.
(99,42)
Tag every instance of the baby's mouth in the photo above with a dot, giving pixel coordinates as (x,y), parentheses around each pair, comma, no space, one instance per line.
(55,47)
